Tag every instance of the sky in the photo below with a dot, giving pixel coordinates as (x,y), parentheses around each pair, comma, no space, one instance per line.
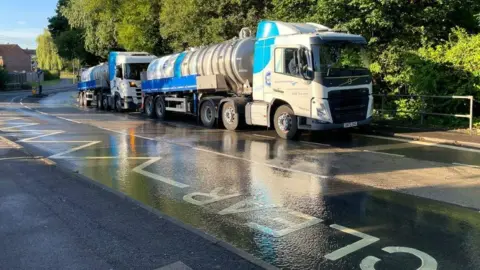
(21,21)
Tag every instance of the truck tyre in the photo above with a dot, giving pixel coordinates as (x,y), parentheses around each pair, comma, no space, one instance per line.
(150,107)
(160,110)
(106,105)
(80,99)
(118,104)
(88,103)
(231,119)
(99,101)
(285,123)
(207,114)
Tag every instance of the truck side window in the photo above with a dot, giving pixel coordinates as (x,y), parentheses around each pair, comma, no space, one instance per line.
(286,61)
(118,72)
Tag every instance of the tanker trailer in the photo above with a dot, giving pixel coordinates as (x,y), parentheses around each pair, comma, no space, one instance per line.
(116,84)
(92,81)
(291,77)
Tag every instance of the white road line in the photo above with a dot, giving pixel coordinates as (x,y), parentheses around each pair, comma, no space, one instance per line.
(44,113)
(260,163)
(140,169)
(263,136)
(60,155)
(70,120)
(383,153)
(421,143)
(225,155)
(52,132)
(315,143)
(466,165)
(19,126)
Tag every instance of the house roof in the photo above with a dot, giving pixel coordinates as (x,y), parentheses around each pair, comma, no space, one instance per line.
(11,49)
(31,52)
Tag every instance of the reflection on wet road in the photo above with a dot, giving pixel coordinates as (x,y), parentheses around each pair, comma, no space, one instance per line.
(321,204)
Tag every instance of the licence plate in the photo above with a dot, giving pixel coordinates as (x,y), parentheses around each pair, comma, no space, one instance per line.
(349,125)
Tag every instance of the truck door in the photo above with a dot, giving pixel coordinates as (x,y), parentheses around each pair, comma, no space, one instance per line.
(287,80)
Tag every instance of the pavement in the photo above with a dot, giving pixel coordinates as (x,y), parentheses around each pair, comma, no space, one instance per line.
(435,136)
(329,201)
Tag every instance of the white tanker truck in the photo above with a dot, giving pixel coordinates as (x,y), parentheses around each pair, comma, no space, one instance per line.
(116,84)
(291,76)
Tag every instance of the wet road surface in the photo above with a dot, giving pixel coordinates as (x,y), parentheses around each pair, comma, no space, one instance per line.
(332,201)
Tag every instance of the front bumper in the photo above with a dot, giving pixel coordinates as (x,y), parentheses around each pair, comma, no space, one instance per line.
(328,126)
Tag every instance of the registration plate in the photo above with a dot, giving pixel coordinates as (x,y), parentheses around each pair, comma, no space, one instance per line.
(349,125)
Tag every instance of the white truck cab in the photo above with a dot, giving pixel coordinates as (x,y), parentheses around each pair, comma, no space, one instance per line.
(320,74)
(124,76)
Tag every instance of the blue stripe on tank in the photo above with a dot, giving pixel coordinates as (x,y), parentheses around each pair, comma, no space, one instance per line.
(177,67)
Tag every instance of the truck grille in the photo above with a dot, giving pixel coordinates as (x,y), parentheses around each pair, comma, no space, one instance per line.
(139,94)
(348,105)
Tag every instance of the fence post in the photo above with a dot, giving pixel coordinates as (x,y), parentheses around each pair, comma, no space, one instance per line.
(471,113)
(422,111)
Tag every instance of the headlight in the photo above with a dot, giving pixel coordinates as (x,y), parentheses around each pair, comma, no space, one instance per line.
(133,84)
(322,113)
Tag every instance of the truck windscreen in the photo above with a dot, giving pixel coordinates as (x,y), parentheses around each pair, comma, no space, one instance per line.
(132,71)
(338,59)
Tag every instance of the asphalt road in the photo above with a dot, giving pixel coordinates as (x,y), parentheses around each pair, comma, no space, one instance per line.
(329,201)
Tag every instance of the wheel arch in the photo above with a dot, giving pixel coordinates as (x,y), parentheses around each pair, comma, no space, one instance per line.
(274,104)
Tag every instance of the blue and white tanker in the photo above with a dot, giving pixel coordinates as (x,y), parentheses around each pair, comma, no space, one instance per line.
(116,84)
(291,77)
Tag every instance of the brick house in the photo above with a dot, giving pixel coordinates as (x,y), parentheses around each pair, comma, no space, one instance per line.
(15,59)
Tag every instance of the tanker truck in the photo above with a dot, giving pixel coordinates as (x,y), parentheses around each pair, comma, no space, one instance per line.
(290,77)
(116,84)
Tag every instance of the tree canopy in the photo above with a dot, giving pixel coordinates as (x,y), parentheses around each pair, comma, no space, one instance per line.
(47,55)
(399,32)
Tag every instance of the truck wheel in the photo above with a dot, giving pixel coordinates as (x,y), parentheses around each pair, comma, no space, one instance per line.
(80,99)
(207,114)
(118,104)
(149,107)
(99,101)
(231,119)
(88,103)
(106,106)
(160,110)
(285,123)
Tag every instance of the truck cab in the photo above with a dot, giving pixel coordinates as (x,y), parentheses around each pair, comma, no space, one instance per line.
(320,75)
(124,76)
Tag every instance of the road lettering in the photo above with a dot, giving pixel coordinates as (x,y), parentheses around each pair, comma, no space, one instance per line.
(208,197)
(342,252)
(246,205)
(428,262)
(292,226)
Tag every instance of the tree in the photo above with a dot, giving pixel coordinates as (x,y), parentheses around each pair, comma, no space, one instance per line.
(47,54)
(98,21)
(70,41)
(187,23)
(138,28)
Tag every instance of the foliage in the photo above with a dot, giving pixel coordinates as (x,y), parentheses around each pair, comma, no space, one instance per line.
(187,23)
(98,20)
(3,78)
(49,75)
(69,41)
(47,55)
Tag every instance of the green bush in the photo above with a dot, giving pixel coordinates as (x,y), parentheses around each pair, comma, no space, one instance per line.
(49,75)
(3,78)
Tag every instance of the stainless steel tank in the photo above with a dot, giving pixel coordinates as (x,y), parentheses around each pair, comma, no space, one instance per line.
(233,59)
(98,73)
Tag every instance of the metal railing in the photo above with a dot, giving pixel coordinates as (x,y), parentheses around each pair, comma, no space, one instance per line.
(422,112)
